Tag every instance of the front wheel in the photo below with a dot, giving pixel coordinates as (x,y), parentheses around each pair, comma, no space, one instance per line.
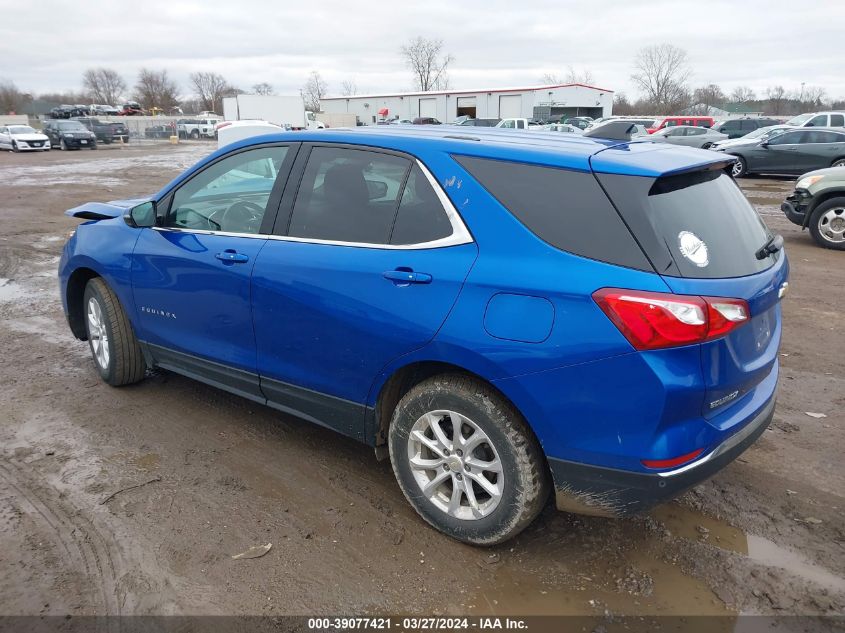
(739,168)
(115,349)
(827,224)
(15,147)
(466,460)
(707,146)
(62,144)
(839,162)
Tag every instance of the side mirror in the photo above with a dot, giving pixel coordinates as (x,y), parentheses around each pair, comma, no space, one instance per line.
(141,216)
(764,144)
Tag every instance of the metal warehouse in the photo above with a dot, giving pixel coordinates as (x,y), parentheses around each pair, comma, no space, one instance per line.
(500,103)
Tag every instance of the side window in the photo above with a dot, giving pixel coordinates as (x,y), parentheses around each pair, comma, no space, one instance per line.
(421,216)
(520,124)
(786,139)
(564,208)
(696,131)
(231,195)
(837,120)
(748,125)
(670,123)
(508,124)
(348,195)
(820,136)
(818,121)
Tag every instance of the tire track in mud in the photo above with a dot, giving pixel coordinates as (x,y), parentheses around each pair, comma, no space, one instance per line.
(88,550)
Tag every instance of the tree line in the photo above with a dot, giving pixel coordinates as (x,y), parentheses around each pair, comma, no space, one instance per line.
(661,75)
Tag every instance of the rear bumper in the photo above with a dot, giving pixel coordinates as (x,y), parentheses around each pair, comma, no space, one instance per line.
(600,491)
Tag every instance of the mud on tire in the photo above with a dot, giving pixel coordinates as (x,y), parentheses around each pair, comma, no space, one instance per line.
(123,364)
(524,483)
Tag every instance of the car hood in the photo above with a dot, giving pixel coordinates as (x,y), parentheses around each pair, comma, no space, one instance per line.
(739,142)
(104,210)
(837,173)
(29,137)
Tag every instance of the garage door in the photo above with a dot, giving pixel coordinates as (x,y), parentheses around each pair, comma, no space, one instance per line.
(510,106)
(428,107)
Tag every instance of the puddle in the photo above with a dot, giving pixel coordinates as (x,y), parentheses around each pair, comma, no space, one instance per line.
(694,526)
(11,291)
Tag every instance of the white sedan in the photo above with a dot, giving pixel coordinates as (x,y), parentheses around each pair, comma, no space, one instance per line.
(689,135)
(22,138)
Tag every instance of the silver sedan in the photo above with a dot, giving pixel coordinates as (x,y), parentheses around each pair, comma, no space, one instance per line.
(689,135)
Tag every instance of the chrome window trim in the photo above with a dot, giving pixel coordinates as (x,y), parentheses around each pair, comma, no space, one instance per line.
(460,233)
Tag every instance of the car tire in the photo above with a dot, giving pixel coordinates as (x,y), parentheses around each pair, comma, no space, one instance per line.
(116,352)
(739,168)
(827,224)
(839,162)
(93,146)
(707,145)
(62,144)
(501,450)
(195,134)
(15,147)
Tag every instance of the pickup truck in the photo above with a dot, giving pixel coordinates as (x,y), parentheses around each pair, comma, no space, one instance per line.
(519,124)
(105,131)
(196,128)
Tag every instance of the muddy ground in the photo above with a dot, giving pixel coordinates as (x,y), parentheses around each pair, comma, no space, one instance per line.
(216,474)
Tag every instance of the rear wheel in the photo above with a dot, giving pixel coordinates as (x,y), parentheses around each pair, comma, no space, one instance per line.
(466,460)
(839,162)
(740,167)
(827,224)
(115,349)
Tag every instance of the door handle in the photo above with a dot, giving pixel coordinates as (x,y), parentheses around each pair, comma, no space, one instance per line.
(404,277)
(230,256)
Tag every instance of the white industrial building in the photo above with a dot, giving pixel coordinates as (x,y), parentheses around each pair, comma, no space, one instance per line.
(499,103)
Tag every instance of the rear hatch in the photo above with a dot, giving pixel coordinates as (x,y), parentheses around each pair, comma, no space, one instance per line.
(703,237)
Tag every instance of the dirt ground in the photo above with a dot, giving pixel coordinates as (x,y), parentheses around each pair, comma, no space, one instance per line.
(214,474)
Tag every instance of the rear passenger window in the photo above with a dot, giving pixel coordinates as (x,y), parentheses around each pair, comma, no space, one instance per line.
(837,120)
(564,208)
(348,195)
(421,216)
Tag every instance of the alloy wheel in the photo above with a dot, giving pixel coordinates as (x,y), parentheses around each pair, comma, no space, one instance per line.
(98,334)
(455,465)
(736,169)
(832,225)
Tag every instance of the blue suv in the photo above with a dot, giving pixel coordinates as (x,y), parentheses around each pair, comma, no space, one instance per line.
(504,314)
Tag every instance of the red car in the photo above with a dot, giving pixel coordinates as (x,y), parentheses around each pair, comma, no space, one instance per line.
(671,121)
(131,108)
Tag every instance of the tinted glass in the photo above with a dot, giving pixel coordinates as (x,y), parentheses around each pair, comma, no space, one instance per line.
(730,125)
(818,121)
(348,195)
(837,120)
(421,217)
(231,195)
(698,131)
(786,139)
(564,208)
(707,204)
(820,136)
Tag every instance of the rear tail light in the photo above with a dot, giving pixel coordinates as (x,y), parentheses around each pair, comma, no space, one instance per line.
(670,463)
(654,320)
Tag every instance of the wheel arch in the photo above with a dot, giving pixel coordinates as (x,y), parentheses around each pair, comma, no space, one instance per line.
(404,378)
(74,293)
(820,200)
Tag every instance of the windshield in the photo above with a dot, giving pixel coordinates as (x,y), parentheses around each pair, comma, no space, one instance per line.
(21,129)
(72,126)
(800,119)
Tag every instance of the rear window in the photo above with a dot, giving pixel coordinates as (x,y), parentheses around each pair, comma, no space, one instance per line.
(696,225)
(564,208)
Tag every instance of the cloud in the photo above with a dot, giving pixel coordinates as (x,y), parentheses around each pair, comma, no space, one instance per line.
(495,43)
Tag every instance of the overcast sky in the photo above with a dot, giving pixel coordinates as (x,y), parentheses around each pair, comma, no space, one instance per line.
(46,45)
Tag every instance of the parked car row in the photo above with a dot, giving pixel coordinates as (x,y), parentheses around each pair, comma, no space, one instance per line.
(129,108)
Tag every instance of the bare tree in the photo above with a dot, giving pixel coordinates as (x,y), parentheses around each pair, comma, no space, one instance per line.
(709,95)
(210,89)
(104,85)
(428,63)
(314,90)
(154,89)
(263,89)
(661,74)
(348,88)
(742,94)
(776,96)
(572,76)
(621,105)
(12,100)
(813,96)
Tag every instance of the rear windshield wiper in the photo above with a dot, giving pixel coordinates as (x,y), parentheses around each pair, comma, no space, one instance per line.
(772,246)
